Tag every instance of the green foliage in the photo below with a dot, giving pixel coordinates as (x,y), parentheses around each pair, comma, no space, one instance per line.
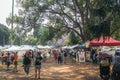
(36,11)
(102,28)
(100,12)
(67,42)
(105,18)
(17,40)
(72,39)
(28,3)
(4,34)
(86,18)
(31,40)
(44,34)
(117,34)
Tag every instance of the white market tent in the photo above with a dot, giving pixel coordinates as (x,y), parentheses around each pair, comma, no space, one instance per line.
(44,47)
(2,47)
(13,48)
(69,47)
(21,48)
(24,48)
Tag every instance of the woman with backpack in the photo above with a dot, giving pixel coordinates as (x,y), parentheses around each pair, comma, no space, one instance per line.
(38,60)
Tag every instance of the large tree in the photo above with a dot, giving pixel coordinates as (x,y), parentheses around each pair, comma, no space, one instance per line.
(61,15)
(99,17)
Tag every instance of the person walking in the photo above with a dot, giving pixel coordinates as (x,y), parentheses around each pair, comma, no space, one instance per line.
(65,57)
(8,60)
(2,58)
(60,59)
(44,57)
(15,62)
(26,63)
(55,54)
(38,61)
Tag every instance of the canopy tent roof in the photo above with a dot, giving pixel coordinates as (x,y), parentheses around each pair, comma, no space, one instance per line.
(104,41)
(13,48)
(20,48)
(82,46)
(43,47)
(24,48)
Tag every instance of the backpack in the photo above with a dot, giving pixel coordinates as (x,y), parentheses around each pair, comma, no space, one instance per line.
(26,61)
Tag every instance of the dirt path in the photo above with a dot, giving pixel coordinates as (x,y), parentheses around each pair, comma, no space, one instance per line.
(53,71)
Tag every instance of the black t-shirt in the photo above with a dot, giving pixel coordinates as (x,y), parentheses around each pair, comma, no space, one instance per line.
(38,60)
(26,61)
(65,54)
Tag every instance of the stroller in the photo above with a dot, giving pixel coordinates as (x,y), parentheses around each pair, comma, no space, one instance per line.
(105,68)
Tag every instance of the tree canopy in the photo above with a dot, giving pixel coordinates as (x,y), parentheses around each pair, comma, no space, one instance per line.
(86,18)
(106,18)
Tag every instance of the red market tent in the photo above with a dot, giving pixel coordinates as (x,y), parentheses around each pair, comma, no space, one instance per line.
(104,41)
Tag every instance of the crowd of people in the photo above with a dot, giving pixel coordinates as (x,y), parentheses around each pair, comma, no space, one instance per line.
(9,58)
(109,65)
(29,58)
(33,58)
(59,55)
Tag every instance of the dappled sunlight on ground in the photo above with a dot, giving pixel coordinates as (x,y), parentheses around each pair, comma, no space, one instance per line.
(53,71)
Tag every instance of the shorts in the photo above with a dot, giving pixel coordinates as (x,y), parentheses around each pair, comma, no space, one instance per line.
(8,63)
(15,63)
(37,66)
